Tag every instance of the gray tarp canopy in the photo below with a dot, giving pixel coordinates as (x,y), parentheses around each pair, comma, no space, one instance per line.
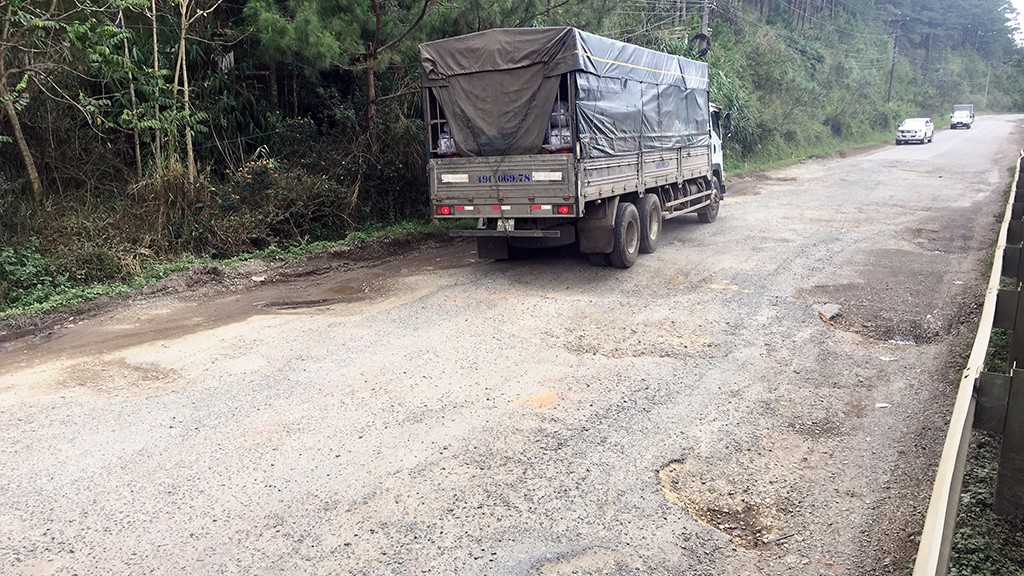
(497,89)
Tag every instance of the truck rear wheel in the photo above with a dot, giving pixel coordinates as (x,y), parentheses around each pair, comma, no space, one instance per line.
(650,222)
(626,236)
(710,213)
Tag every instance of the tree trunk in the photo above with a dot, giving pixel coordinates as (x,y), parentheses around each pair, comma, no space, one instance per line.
(131,88)
(272,85)
(183,70)
(373,52)
(371,97)
(19,137)
(158,136)
(371,62)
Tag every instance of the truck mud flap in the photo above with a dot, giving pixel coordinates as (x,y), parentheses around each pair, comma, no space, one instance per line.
(491,248)
(595,231)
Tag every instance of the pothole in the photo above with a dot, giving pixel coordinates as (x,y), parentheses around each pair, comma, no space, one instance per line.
(345,290)
(893,319)
(356,289)
(902,297)
(749,521)
(938,241)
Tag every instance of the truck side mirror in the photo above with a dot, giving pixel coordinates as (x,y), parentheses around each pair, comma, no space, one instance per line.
(727,125)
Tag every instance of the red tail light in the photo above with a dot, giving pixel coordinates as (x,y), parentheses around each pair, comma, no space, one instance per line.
(444,210)
(563,210)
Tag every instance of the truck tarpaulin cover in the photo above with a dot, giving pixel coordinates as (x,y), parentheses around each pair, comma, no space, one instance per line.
(498,87)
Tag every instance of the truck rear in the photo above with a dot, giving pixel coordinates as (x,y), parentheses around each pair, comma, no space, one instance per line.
(553,136)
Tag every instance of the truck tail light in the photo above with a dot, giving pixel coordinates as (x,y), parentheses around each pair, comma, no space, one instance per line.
(563,209)
(444,210)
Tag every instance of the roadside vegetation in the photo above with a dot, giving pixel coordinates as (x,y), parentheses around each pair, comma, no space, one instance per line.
(984,543)
(38,293)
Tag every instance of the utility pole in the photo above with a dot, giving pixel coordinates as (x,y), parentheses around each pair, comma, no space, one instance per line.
(895,50)
(705,42)
(928,52)
(705,8)
(984,101)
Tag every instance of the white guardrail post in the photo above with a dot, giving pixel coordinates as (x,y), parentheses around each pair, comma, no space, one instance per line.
(990,394)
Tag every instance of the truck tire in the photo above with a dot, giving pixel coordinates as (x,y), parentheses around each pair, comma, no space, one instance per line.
(626,236)
(651,220)
(710,213)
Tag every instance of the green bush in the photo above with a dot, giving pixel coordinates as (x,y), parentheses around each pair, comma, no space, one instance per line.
(263,204)
(25,277)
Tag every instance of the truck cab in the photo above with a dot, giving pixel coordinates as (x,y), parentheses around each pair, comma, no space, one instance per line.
(963,116)
(961,119)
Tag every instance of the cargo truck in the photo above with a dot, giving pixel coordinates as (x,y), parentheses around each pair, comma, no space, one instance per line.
(963,116)
(554,136)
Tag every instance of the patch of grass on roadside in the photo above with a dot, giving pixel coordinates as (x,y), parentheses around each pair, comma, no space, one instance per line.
(996,358)
(64,293)
(355,239)
(985,544)
(43,293)
(826,149)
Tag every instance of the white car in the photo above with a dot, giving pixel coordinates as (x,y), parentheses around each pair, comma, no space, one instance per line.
(915,130)
(961,119)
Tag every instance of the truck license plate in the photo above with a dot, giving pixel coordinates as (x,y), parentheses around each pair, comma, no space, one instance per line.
(506,224)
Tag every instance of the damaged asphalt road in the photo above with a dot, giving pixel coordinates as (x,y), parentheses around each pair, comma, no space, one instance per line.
(763,395)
